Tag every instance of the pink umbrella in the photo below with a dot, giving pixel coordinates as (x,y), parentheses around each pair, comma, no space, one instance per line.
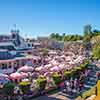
(26,69)
(34,74)
(55,68)
(15,75)
(62,66)
(47,74)
(24,74)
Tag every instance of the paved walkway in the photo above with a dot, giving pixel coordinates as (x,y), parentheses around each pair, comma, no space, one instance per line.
(59,96)
(51,97)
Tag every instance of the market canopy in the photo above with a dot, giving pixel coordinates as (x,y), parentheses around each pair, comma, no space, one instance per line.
(26,69)
(16,75)
(24,74)
(56,68)
(39,68)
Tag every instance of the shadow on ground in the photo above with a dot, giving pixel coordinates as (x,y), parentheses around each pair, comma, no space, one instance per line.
(46,98)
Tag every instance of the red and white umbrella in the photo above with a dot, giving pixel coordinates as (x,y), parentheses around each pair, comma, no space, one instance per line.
(26,69)
(16,75)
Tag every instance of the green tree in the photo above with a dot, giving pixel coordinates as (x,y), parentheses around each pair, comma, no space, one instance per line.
(64,34)
(57,36)
(53,35)
(68,74)
(87,30)
(96,32)
(96,51)
(8,89)
(87,38)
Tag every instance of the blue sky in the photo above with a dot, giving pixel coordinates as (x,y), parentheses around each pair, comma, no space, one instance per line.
(42,17)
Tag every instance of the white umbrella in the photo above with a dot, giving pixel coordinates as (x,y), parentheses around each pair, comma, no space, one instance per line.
(39,68)
(71,62)
(68,58)
(54,63)
(62,66)
(4,75)
(48,66)
(25,80)
(63,56)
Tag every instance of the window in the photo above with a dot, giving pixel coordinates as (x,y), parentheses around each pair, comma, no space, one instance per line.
(4,66)
(9,65)
(29,45)
(17,63)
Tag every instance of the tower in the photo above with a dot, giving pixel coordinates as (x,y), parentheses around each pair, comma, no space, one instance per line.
(14,31)
(15,35)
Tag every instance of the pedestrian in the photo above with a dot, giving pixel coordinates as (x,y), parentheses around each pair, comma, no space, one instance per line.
(19,97)
(67,86)
(98,75)
(75,83)
(61,86)
(72,86)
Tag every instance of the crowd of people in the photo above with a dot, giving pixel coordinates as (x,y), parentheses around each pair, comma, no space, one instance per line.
(77,85)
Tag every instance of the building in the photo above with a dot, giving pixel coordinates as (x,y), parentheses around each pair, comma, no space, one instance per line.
(14,52)
(10,62)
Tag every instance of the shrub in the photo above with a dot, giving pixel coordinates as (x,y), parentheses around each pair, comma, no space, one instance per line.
(57,78)
(8,89)
(41,82)
(24,83)
(78,69)
(68,74)
(88,93)
(25,87)
(75,73)
(86,62)
(83,66)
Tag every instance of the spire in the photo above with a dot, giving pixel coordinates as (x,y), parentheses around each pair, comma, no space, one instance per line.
(15,26)
(14,30)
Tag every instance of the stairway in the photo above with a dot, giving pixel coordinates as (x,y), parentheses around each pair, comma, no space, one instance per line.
(92,80)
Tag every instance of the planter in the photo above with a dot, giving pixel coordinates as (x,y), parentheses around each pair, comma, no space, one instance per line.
(57,78)
(41,82)
(67,75)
